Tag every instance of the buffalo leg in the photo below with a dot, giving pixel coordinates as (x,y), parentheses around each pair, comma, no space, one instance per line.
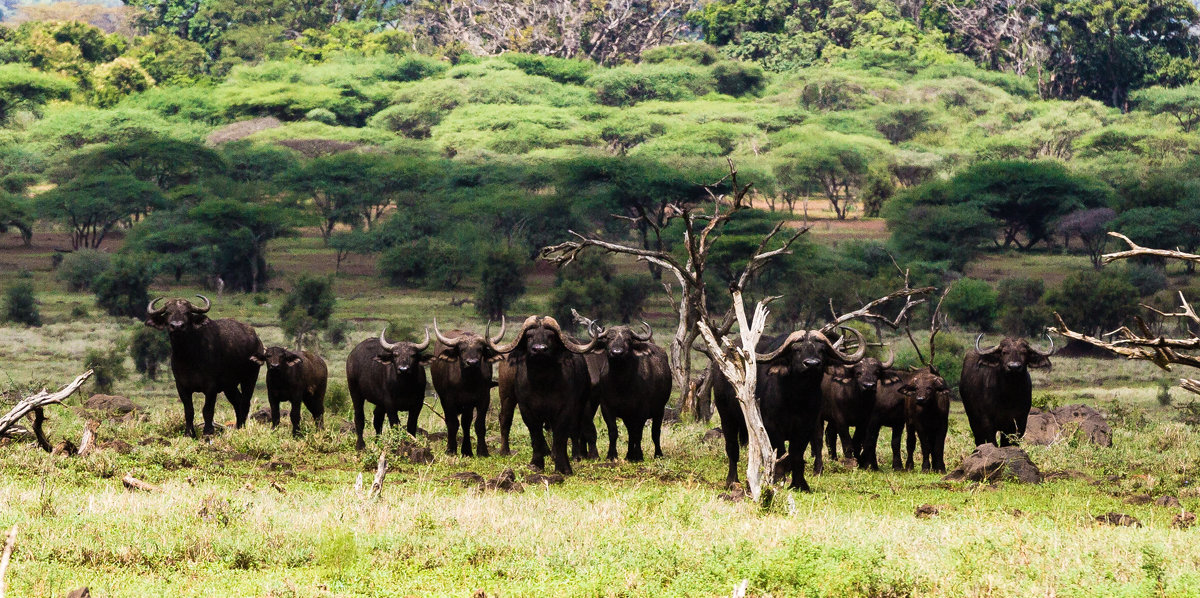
(656,434)
(558,451)
(814,440)
(897,463)
(295,416)
(848,450)
(379,415)
(275,414)
(537,438)
(912,441)
(506,419)
(189,414)
(831,440)
(635,427)
(610,420)
(360,421)
(798,481)
(209,410)
(481,431)
(247,388)
(867,451)
(939,449)
(732,448)
(451,432)
(926,439)
(466,428)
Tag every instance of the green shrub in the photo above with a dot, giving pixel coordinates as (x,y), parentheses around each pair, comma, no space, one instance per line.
(20,305)
(501,281)
(121,290)
(80,268)
(971,302)
(695,53)
(425,263)
(1022,311)
(149,348)
(337,398)
(307,307)
(321,115)
(563,70)
(736,78)
(1094,302)
(108,367)
(1146,278)
(625,86)
(415,67)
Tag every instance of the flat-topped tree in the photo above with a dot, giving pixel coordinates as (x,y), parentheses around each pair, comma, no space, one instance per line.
(1144,344)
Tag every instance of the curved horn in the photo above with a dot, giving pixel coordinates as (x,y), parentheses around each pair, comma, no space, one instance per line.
(571,345)
(383,341)
(424,345)
(530,321)
(891,358)
(207,305)
(857,355)
(499,335)
(1047,353)
(150,311)
(791,338)
(594,329)
(981,351)
(649,333)
(445,340)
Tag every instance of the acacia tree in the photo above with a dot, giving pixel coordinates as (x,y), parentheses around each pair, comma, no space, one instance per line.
(92,205)
(1144,344)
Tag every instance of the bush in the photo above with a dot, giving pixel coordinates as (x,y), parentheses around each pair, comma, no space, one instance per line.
(695,53)
(1022,311)
(501,282)
(307,307)
(427,264)
(108,367)
(337,398)
(625,86)
(321,115)
(121,290)
(20,305)
(562,70)
(971,302)
(875,192)
(738,78)
(1146,278)
(80,268)
(1094,302)
(414,67)
(149,348)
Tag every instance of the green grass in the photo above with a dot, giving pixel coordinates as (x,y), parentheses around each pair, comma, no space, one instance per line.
(219,527)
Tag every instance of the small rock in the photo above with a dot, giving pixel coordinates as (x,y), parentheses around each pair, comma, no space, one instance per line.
(736,493)
(1183,520)
(118,446)
(990,462)
(420,455)
(155,441)
(437,436)
(80,593)
(550,480)
(1118,519)
(1041,428)
(468,478)
(926,511)
(506,481)
(1167,500)
(714,434)
(113,404)
(1139,499)
(263,416)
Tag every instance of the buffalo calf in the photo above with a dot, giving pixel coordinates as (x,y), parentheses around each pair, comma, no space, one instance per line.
(295,378)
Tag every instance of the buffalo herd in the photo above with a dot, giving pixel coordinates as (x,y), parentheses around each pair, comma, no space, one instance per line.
(810,388)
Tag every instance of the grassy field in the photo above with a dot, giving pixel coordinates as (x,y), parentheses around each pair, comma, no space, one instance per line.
(255,512)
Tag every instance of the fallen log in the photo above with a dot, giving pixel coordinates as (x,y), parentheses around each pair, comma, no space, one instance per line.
(4,560)
(133,483)
(39,400)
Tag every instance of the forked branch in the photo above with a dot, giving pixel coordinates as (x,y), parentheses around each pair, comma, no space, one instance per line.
(39,400)
(1136,250)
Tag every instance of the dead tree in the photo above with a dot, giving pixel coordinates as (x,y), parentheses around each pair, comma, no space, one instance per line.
(702,226)
(34,404)
(1144,344)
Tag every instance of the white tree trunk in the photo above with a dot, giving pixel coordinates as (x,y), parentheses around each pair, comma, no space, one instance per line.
(741,369)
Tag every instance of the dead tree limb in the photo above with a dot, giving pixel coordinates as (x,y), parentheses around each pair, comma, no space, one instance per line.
(40,400)
(1136,250)
(380,471)
(6,558)
(88,441)
(133,483)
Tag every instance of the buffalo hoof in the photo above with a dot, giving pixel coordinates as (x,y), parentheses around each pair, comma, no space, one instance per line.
(360,445)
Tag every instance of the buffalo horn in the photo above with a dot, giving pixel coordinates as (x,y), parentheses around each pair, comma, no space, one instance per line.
(981,351)
(793,337)
(1046,353)
(150,311)
(571,345)
(424,344)
(207,305)
(594,329)
(649,333)
(445,340)
(529,323)
(857,355)
(891,358)
(499,335)
(383,341)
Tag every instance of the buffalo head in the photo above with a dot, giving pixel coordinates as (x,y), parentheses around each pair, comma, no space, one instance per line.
(1014,355)
(870,371)
(403,355)
(277,357)
(621,342)
(467,347)
(925,386)
(542,338)
(810,349)
(177,315)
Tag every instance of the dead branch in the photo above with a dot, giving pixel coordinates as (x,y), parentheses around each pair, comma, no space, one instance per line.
(133,483)
(88,441)
(380,471)
(1163,357)
(866,313)
(1136,250)
(358,483)
(6,558)
(40,400)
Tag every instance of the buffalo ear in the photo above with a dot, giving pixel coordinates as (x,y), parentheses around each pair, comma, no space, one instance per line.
(256,359)
(908,390)
(495,357)
(841,379)
(424,358)
(777,370)
(891,379)
(1038,361)
(157,322)
(199,320)
(384,358)
(294,359)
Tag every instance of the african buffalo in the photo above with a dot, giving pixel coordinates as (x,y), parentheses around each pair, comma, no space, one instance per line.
(927,415)
(208,356)
(296,378)
(789,394)
(545,374)
(996,390)
(390,376)
(462,376)
(631,381)
(888,412)
(847,399)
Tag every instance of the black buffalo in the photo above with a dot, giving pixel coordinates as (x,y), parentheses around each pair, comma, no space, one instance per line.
(295,378)
(996,390)
(847,400)
(545,374)
(888,412)
(208,356)
(927,415)
(462,376)
(789,393)
(631,381)
(390,376)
